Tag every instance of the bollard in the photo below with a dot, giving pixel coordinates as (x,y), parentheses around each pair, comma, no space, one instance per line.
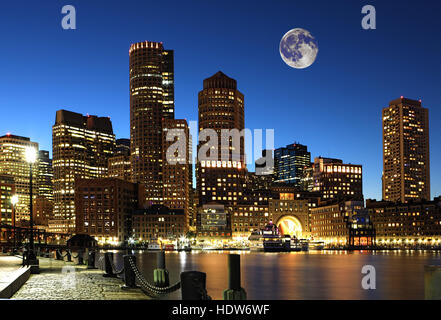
(91,260)
(69,255)
(234,291)
(160,259)
(80,257)
(108,258)
(58,255)
(193,285)
(129,274)
(432,282)
(160,274)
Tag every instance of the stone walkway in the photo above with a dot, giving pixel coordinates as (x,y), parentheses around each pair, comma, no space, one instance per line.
(10,268)
(59,280)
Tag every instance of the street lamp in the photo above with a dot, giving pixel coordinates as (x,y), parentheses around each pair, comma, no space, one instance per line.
(31,157)
(14,201)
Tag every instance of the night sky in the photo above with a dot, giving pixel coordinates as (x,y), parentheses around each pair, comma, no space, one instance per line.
(334,106)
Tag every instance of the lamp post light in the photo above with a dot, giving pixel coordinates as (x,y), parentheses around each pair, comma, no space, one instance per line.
(14,201)
(31,157)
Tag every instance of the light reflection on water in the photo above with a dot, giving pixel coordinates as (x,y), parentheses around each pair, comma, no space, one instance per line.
(302,275)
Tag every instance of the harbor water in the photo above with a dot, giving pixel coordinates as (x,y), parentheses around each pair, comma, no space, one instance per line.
(302,275)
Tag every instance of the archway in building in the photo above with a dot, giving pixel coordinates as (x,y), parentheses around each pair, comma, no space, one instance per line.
(290,225)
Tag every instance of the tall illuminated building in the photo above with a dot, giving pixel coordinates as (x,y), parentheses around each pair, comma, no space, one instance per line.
(13,163)
(45,175)
(221,176)
(406,163)
(81,146)
(175,165)
(7,191)
(335,180)
(151,100)
(119,164)
(290,163)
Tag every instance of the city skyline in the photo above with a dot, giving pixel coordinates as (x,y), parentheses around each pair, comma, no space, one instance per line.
(361,136)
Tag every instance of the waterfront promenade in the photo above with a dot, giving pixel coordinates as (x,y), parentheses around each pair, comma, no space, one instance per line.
(12,275)
(74,282)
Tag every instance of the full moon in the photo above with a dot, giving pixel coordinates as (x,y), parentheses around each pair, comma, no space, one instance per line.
(298,48)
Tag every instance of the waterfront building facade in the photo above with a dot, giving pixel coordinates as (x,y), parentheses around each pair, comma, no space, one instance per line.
(406,158)
(290,215)
(247,218)
(329,221)
(213,222)
(13,163)
(81,146)
(334,179)
(158,223)
(103,208)
(406,224)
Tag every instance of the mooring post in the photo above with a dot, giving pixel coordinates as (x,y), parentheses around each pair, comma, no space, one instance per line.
(91,260)
(129,274)
(160,274)
(58,255)
(69,255)
(108,259)
(80,257)
(193,285)
(432,282)
(234,291)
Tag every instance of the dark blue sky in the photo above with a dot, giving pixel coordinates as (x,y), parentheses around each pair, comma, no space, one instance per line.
(334,106)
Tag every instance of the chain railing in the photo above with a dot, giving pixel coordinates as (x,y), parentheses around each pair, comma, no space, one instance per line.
(115,271)
(192,283)
(149,288)
(100,263)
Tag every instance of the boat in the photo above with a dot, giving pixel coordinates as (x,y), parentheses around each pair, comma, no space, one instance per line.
(184,247)
(255,240)
(153,246)
(304,244)
(317,245)
(169,247)
(273,241)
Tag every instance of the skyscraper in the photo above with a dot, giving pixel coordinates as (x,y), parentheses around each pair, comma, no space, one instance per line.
(119,164)
(81,147)
(45,175)
(406,164)
(151,100)
(175,165)
(13,163)
(221,174)
(290,163)
(7,191)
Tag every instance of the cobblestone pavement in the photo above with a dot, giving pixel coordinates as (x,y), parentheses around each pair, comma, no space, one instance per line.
(59,280)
